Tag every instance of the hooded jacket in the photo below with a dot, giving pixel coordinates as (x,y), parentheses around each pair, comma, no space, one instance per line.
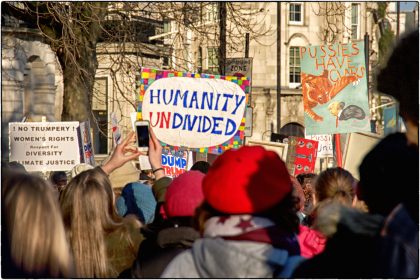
(220,258)
(351,248)
(160,247)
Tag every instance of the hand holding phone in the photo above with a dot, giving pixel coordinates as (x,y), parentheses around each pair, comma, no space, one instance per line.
(142,129)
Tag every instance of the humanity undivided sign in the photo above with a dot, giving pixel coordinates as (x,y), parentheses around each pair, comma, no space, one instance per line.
(197,111)
(44,146)
(334,88)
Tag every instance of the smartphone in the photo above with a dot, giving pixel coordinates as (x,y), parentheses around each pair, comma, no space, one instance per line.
(142,129)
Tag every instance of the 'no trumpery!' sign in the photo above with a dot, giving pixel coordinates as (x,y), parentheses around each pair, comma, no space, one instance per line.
(44,146)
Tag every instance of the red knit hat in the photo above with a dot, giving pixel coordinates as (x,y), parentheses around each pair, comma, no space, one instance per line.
(246,181)
(184,194)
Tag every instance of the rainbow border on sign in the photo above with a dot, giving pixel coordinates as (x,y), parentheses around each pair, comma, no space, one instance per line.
(149,75)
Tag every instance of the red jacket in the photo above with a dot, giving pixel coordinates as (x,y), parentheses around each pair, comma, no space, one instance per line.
(311,241)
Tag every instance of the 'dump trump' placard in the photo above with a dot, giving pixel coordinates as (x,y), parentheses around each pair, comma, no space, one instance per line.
(200,112)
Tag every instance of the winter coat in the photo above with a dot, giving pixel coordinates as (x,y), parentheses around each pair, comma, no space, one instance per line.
(398,254)
(121,250)
(351,248)
(160,247)
(220,258)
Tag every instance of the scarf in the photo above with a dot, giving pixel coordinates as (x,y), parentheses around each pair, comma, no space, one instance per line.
(252,228)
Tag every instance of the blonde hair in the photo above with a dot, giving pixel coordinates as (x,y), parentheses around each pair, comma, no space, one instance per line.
(34,226)
(89,215)
(336,184)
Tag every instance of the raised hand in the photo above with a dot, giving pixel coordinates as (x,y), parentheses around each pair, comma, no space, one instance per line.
(124,152)
(155,155)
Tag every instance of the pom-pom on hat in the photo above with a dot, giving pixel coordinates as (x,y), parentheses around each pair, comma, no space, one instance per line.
(184,194)
(246,181)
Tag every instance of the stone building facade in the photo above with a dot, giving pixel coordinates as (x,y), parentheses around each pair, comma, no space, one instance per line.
(32,83)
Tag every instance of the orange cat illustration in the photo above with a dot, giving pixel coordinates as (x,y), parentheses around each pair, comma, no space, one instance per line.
(319,90)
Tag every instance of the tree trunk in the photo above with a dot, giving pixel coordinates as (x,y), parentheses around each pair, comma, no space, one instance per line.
(79,73)
(78,88)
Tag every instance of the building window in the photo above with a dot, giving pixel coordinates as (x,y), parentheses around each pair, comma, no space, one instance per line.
(166,26)
(293,129)
(212,60)
(165,63)
(294,66)
(296,13)
(99,124)
(354,21)
(211,12)
(200,60)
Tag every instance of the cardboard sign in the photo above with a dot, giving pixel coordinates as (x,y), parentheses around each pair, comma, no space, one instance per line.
(334,88)
(357,146)
(390,120)
(248,121)
(44,146)
(301,156)
(86,143)
(202,112)
(175,162)
(279,148)
(325,147)
(116,133)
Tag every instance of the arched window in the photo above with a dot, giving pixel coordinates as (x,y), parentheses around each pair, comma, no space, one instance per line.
(293,129)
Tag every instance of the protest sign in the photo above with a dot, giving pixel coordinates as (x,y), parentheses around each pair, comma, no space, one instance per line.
(279,148)
(248,121)
(44,146)
(334,88)
(357,146)
(325,147)
(116,133)
(196,111)
(175,162)
(390,120)
(301,155)
(86,143)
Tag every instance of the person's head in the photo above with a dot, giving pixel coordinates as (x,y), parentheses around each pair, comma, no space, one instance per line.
(389,175)
(58,179)
(137,199)
(202,166)
(87,204)
(33,236)
(16,166)
(306,181)
(335,184)
(79,168)
(184,194)
(250,180)
(400,79)
(298,193)
(146,177)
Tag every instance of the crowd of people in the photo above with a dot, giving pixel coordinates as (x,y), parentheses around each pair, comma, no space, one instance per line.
(244,216)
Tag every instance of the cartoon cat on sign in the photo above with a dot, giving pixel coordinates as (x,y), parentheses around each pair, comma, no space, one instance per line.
(319,90)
